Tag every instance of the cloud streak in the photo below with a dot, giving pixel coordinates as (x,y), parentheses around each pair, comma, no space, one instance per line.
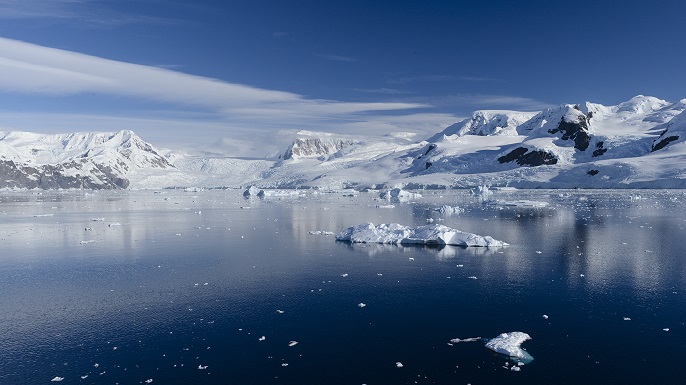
(224,108)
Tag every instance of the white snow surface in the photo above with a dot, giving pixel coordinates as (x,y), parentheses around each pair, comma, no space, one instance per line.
(634,144)
(394,233)
(509,344)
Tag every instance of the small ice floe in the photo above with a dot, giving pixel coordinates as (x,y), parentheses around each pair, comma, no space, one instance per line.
(98,219)
(545,316)
(394,233)
(84,376)
(627,319)
(292,343)
(398,194)
(344,275)
(201,367)
(361,304)
(149,380)
(665,329)
(509,344)
(470,339)
(472,277)
(449,210)
(57,379)
(399,364)
(280,311)
(320,232)
(519,203)
(385,206)
(86,242)
(262,338)
(411,259)
(284,364)
(115,224)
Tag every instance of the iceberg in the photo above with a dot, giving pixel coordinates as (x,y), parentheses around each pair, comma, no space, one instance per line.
(397,194)
(394,233)
(509,344)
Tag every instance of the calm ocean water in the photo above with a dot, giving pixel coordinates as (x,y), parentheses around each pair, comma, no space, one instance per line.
(208,287)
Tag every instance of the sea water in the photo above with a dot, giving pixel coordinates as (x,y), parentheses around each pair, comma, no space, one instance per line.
(209,287)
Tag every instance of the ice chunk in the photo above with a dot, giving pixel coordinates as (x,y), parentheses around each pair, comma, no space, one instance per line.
(482,190)
(449,210)
(510,345)
(251,191)
(397,194)
(57,379)
(320,232)
(470,339)
(399,364)
(361,304)
(394,233)
(292,343)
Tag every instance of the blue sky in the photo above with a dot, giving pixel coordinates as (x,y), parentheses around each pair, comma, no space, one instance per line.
(187,74)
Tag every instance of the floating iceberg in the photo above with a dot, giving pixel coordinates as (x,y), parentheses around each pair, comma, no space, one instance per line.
(449,210)
(399,195)
(393,233)
(509,344)
(251,191)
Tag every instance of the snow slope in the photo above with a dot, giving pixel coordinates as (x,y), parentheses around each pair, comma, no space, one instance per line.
(635,144)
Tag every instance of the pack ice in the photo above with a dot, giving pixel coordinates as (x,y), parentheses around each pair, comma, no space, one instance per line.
(394,233)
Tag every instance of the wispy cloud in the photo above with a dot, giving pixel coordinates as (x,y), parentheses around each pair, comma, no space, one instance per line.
(383,91)
(402,80)
(242,110)
(498,101)
(91,13)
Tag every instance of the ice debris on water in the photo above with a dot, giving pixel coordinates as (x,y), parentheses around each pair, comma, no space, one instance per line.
(545,316)
(509,344)
(394,233)
(292,343)
(470,339)
(449,210)
(57,379)
(201,367)
(519,203)
(399,364)
(320,232)
(398,194)
(361,304)
(262,338)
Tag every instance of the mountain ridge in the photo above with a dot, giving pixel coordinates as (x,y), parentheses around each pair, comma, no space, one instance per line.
(638,143)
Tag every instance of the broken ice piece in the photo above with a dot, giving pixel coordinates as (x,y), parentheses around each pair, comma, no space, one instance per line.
(361,304)
(292,343)
(510,345)
(399,364)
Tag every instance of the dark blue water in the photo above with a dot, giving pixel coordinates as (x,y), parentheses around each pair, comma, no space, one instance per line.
(181,287)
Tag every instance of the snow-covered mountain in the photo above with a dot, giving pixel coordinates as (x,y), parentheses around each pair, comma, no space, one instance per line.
(638,143)
(88,160)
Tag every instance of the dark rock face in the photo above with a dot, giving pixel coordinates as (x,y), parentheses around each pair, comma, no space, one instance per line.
(599,149)
(74,174)
(593,172)
(524,157)
(578,132)
(664,142)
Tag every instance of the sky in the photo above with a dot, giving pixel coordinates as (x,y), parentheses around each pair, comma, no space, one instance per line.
(241,78)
